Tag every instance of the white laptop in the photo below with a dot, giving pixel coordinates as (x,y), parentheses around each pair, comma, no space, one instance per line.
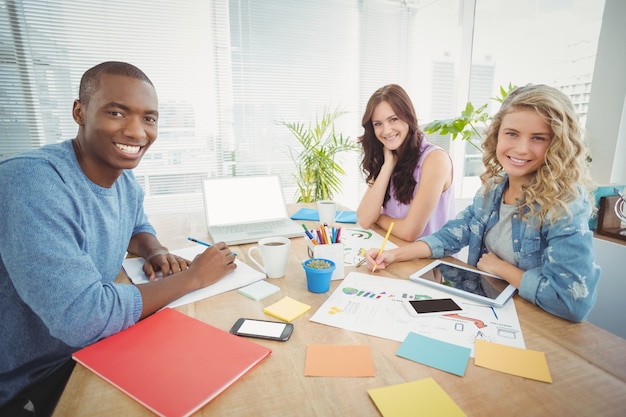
(246,209)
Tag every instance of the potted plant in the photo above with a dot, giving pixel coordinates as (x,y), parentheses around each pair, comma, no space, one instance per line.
(319,273)
(470,124)
(316,170)
(470,121)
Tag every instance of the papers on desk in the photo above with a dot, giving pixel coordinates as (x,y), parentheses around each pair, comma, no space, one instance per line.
(242,276)
(377,306)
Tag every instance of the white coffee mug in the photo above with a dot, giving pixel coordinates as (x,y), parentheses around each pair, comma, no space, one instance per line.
(327,211)
(274,253)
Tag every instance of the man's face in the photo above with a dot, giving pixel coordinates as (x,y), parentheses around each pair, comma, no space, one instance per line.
(118,124)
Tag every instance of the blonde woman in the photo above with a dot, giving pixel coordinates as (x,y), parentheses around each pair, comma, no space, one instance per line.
(529,222)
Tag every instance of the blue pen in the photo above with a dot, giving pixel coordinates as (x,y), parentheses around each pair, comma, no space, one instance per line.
(309,235)
(203,243)
(494,313)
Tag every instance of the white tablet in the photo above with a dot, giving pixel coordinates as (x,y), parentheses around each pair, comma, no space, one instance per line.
(465,282)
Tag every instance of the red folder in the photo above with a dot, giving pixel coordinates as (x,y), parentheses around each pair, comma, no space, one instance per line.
(171,363)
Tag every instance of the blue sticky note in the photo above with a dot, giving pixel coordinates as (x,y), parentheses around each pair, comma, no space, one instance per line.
(435,353)
(312,215)
(259,290)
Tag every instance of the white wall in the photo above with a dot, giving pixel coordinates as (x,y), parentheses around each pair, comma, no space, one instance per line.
(609,310)
(606,120)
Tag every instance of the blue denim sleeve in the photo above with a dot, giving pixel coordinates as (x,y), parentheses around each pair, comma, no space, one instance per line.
(565,283)
(453,236)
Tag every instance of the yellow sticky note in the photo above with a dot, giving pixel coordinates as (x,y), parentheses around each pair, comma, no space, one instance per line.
(512,360)
(423,397)
(287,309)
(339,360)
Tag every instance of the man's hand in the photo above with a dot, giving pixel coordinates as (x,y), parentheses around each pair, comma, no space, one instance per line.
(164,261)
(207,268)
(212,264)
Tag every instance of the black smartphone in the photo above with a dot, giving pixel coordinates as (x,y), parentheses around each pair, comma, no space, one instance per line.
(435,306)
(262,329)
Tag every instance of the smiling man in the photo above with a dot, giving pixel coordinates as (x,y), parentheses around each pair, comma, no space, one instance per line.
(70,212)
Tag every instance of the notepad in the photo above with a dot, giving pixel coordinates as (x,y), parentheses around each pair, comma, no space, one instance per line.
(259,290)
(287,309)
(423,397)
(243,275)
(171,363)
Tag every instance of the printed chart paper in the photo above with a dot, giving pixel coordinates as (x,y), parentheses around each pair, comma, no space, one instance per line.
(379,306)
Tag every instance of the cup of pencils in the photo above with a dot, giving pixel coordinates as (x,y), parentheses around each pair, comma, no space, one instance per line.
(325,242)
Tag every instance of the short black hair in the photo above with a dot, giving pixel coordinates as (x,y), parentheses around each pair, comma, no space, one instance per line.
(90,81)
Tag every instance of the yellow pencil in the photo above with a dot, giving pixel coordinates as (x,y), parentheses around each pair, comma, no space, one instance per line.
(382,247)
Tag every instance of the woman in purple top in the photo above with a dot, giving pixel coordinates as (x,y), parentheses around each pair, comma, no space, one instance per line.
(409,179)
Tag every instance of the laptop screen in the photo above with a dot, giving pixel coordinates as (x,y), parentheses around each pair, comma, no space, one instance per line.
(229,200)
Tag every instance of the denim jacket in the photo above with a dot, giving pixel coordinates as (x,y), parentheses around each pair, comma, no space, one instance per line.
(560,274)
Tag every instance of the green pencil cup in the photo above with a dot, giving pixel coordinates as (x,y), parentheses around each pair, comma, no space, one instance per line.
(319,273)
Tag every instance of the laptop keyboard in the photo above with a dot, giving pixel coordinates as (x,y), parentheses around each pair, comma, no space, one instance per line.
(249,227)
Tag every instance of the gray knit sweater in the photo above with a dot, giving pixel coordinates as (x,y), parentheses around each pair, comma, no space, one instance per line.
(62,242)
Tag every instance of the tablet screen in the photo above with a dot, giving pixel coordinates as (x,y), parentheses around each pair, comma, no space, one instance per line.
(466,280)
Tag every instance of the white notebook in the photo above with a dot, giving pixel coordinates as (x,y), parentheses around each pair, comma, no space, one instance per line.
(246,209)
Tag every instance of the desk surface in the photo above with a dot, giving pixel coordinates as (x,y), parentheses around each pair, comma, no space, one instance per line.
(588,364)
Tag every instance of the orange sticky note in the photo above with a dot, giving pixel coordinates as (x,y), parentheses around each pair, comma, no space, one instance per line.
(339,360)
(512,360)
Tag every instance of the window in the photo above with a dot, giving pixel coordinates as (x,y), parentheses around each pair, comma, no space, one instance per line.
(227,70)
(531,41)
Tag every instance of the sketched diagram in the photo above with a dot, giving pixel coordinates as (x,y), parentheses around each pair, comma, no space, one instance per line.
(355,243)
(479,323)
(481,327)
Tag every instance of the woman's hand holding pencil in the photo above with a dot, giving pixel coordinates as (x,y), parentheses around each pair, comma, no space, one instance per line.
(382,247)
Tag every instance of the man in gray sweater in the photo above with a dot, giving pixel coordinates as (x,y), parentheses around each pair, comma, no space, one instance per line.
(70,212)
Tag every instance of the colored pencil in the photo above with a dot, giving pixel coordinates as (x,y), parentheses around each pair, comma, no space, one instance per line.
(382,247)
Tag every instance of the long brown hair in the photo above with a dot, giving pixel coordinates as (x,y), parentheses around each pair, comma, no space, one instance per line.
(407,155)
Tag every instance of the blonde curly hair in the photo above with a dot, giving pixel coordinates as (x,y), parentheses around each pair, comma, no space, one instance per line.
(556,182)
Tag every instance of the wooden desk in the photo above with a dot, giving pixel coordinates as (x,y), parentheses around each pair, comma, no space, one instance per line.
(588,364)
